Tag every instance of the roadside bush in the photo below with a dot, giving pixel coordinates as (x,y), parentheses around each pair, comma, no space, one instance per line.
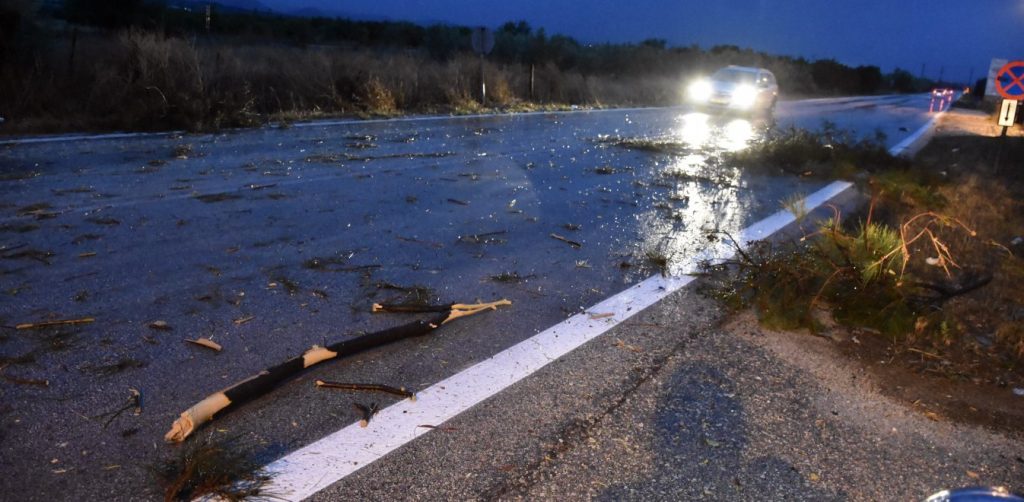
(857,273)
(829,153)
(377,98)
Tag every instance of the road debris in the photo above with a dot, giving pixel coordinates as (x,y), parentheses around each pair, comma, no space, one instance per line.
(484,238)
(368,387)
(623,345)
(217,197)
(182,151)
(367,412)
(48,324)
(21,380)
(254,186)
(242,320)
(509,277)
(160,325)
(206,342)
(567,241)
(435,245)
(264,381)
(134,403)
(215,468)
(30,254)
(113,368)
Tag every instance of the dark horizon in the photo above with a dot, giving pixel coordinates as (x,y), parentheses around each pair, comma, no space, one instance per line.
(940,38)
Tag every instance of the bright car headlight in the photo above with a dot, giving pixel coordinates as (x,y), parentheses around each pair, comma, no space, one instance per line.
(700,91)
(744,96)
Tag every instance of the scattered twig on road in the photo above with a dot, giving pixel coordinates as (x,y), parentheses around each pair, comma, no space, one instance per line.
(367,412)
(48,324)
(22,381)
(253,186)
(134,403)
(567,241)
(456,309)
(435,245)
(368,387)
(484,238)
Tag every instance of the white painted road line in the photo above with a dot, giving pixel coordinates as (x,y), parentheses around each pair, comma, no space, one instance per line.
(903,146)
(65,138)
(323,463)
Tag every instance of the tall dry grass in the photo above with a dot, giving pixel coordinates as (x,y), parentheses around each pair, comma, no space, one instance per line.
(140,80)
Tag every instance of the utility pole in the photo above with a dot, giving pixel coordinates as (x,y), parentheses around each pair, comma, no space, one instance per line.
(942,70)
(533,71)
(482,41)
(921,76)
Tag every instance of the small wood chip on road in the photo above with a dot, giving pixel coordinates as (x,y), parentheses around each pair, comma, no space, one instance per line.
(206,342)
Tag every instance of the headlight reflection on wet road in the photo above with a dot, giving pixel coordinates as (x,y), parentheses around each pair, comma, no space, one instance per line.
(700,131)
(706,194)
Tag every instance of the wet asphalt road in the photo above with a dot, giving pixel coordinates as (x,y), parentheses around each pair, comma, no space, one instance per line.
(268,241)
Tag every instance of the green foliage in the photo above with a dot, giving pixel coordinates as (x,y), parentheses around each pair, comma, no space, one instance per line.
(855,273)
(914,186)
(873,250)
(828,153)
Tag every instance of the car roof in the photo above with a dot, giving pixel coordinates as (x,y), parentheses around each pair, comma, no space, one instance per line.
(750,69)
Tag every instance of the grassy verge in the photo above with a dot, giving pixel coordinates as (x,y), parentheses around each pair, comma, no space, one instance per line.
(932,267)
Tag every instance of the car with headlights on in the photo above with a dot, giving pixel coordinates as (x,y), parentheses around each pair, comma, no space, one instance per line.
(741,89)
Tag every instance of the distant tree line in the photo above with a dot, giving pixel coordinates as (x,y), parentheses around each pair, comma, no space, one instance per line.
(515,42)
(55,54)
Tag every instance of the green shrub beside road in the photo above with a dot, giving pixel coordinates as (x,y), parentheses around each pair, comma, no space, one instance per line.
(934,265)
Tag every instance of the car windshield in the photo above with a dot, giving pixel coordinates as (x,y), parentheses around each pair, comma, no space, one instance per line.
(735,75)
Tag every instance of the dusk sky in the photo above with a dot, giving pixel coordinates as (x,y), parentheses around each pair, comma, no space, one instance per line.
(957,35)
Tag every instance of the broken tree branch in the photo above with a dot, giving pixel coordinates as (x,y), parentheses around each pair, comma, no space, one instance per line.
(264,381)
(48,324)
(567,241)
(946,292)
